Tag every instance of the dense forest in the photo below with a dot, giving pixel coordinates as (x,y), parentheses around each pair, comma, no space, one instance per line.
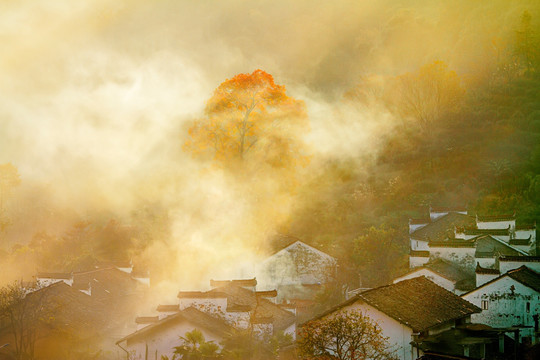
(457,140)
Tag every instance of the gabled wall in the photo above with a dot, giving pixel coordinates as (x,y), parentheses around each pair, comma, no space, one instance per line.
(433,276)
(162,342)
(399,336)
(507,304)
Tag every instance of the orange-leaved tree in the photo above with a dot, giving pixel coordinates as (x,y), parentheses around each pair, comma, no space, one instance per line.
(250,117)
(345,335)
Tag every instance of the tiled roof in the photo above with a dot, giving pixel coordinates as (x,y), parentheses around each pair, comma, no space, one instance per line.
(419,221)
(59,276)
(146,319)
(268,293)
(526,227)
(167,308)
(452,244)
(242,298)
(201,294)
(520,242)
(190,314)
(475,231)
(108,283)
(486,271)
(526,276)
(418,303)
(74,312)
(243,282)
(443,209)
(488,246)
(520,258)
(447,269)
(523,275)
(440,228)
(493,218)
(418,253)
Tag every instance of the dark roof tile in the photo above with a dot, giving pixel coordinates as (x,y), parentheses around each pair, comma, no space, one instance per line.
(439,229)
(418,303)
(520,258)
(486,271)
(526,276)
(242,282)
(488,246)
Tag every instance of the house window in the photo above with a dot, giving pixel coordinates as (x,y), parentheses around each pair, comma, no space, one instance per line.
(485,304)
(528,307)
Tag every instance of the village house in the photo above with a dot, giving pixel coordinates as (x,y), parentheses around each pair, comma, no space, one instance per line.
(510,300)
(466,240)
(235,304)
(157,336)
(409,312)
(67,323)
(443,273)
(297,271)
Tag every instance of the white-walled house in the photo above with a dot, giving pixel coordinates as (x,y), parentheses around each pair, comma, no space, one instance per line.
(507,263)
(510,300)
(408,311)
(158,338)
(443,273)
(46,279)
(234,303)
(453,235)
(297,264)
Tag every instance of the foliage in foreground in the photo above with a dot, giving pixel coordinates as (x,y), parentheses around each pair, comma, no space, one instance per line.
(346,335)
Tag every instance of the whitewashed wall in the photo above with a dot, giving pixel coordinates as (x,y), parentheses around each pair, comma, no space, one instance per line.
(211,306)
(162,342)
(481,279)
(415,261)
(505,266)
(399,336)
(496,224)
(436,278)
(488,263)
(506,307)
(420,245)
(461,256)
(414,227)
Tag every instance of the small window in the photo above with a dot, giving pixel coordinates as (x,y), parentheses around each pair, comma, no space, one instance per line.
(485,304)
(528,307)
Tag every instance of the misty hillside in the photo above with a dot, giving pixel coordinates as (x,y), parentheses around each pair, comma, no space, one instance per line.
(396,106)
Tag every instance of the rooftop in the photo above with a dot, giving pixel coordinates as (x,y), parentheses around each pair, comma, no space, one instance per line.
(520,258)
(243,282)
(526,276)
(167,308)
(488,246)
(475,231)
(190,314)
(59,276)
(241,299)
(417,303)
(486,271)
(523,275)
(446,209)
(439,229)
(447,269)
(494,218)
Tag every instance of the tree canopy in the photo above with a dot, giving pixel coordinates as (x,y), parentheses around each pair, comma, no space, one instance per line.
(250,117)
(346,335)
(429,93)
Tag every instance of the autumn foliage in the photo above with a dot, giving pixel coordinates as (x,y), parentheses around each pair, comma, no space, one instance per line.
(250,117)
(345,335)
